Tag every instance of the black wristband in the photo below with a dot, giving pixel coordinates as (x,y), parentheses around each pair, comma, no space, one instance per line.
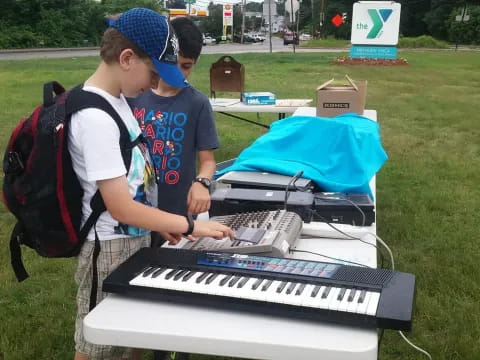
(191,224)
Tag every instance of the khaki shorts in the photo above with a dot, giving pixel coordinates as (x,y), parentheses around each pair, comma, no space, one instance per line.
(112,254)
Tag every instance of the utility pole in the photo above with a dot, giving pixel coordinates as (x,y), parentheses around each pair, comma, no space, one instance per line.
(322,18)
(270,23)
(292,18)
(244,3)
(313,27)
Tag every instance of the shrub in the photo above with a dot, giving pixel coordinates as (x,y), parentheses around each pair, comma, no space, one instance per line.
(423,41)
(18,37)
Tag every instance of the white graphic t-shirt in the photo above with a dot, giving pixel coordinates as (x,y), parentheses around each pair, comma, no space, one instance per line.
(95,150)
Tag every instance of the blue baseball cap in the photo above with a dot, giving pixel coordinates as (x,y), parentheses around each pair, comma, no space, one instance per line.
(152,33)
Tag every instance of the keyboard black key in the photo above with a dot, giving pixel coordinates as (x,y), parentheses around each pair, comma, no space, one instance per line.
(233,281)
(225,279)
(266,285)
(341,294)
(315,290)
(351,296)
(211,278)
(281,286)
(326,292)
(158,272)
(291,287)
(179,274)
(189,275)
(256,284)
(171,273)
(149,271)
(202,277)
(362,295)
(243,282)
(300,289)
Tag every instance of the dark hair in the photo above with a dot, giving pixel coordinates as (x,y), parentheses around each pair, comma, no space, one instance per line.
(113,43)
(190,39)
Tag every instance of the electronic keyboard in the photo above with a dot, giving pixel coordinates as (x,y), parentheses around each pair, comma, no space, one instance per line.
(302,289)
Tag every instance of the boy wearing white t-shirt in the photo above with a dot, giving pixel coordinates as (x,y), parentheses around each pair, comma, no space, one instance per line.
(136,50)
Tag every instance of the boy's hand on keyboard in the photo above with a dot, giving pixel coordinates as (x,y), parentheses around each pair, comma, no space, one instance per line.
(212,229)
(171,238)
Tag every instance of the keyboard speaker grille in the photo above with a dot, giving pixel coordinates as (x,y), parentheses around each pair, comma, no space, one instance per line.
(363,275)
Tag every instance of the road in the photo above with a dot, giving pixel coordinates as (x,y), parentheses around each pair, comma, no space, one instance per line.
(277,46)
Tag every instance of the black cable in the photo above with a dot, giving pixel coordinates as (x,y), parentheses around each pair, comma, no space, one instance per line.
(339,261)
(287,188)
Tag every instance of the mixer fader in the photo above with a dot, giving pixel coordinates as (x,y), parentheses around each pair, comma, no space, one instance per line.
(260,232)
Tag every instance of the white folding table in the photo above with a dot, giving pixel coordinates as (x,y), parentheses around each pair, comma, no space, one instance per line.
(282,107)
(127,321)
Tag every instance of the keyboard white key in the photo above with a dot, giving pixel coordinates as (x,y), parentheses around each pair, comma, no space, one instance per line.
(353,305)
(362,307)
(332,299)
(344,302)
(307,299)
(271,294)
(373,303)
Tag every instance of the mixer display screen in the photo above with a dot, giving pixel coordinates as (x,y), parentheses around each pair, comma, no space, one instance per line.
(274,265)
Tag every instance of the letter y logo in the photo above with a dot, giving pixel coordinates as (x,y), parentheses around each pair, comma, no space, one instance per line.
(377,16)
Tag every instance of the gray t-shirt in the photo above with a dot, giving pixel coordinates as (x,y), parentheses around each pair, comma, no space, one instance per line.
(176,128)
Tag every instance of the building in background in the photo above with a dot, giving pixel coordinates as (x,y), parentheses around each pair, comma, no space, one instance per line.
(278,21)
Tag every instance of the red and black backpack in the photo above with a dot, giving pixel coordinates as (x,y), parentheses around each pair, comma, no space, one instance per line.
(40,186)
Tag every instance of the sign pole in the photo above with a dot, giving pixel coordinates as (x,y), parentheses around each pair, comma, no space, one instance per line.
(270,23)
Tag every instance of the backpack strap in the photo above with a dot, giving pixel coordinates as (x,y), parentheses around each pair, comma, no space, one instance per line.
(50,90)
(77,100)
(16,252)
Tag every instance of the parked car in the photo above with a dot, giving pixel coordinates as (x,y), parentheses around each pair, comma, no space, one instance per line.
(305,36)
(257,37)
(289,38)
(246,38)
(208,40)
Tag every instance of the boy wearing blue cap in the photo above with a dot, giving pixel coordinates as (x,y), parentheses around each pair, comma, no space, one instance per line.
(137,48)
(178,125)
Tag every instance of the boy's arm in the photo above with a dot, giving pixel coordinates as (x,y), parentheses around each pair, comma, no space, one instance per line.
(124,209)
(198,199)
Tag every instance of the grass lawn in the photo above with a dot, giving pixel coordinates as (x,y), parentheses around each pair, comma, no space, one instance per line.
(428,194)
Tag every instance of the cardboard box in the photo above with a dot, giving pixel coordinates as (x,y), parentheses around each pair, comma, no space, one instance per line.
(258,98)
(333,100)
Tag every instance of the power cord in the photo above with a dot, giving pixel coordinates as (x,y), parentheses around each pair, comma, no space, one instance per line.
(381,254)
(415,346)
(350,237)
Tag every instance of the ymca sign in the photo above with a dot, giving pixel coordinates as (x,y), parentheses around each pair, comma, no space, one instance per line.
(375,23)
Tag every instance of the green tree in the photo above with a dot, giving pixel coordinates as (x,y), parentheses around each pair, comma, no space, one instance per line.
(464,32)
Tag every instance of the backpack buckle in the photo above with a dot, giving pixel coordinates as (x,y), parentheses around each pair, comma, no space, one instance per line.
(13,164)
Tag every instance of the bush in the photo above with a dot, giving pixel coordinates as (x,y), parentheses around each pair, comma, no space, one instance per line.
(423,41)
(18,37)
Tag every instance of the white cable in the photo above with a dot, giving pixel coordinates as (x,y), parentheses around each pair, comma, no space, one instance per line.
(385,246)
(415,346)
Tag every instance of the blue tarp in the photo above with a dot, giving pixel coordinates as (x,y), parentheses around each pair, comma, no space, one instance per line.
(339,154)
